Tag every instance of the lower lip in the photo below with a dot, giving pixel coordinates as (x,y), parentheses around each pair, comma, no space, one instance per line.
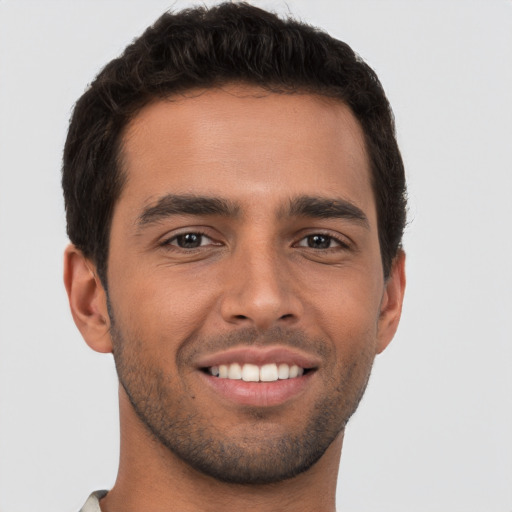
(258,394)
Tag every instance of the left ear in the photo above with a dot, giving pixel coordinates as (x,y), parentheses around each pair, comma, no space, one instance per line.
(391,304)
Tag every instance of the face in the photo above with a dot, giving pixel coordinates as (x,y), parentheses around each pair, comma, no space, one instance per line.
(245,284)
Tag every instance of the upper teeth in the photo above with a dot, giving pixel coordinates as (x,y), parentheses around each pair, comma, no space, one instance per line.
(253,373)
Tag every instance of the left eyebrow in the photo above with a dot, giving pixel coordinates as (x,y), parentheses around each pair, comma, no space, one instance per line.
(172,204)
(326,208)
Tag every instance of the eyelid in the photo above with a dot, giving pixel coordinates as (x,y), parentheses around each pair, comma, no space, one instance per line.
(342,241)
(167,239)
(175,237)
(331,239)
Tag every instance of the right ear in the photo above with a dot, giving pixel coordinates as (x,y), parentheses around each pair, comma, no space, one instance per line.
(87,300)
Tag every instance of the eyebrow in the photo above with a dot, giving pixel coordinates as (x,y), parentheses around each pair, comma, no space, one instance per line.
(187,204)
(302,206)
(326,208)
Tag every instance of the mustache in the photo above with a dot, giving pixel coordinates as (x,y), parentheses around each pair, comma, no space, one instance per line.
(198,345)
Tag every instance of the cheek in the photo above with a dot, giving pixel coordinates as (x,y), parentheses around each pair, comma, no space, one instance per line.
(160,309)
(346,308)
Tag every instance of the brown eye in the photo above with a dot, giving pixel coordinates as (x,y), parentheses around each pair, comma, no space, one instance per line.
(190,240)
(319,241)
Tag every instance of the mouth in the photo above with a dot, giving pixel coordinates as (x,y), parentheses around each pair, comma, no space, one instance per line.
(258,377)
(270,372)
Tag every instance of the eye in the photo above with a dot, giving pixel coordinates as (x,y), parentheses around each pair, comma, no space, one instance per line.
(189,240)
(319,241)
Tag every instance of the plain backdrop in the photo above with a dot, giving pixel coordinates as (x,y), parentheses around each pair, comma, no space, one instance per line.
(434,431)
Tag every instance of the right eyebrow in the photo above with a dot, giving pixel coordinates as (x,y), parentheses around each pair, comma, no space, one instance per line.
(186,204)
(326,208)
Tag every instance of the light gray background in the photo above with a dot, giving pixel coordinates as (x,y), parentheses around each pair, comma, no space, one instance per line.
(434,432)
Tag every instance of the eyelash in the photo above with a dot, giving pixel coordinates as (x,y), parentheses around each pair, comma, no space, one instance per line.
(341,243)
(168,242)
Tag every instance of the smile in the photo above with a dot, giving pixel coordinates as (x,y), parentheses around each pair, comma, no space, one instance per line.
(258,376)
(253,373)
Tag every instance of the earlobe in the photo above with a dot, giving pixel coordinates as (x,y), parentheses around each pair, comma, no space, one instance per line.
(391,304)
(87,300)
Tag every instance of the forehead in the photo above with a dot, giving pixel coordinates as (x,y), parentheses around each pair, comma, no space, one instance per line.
(245,144)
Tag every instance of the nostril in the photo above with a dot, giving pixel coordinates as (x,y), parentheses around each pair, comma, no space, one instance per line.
(285,317)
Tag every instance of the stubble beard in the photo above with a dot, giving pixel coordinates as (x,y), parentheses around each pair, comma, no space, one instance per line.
(256,456)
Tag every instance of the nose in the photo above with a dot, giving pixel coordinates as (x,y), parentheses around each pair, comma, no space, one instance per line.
(260,291)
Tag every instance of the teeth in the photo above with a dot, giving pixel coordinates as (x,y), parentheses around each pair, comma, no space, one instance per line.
(283,372)
(294,371)
(268,373)
(253,373)
(250,373)
(235,371)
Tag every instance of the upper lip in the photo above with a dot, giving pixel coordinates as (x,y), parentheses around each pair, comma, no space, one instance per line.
(260,356)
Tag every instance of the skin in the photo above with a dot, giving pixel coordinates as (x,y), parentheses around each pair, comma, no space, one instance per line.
(256,280)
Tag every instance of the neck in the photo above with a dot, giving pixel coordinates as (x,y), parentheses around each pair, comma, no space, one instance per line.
(153,479)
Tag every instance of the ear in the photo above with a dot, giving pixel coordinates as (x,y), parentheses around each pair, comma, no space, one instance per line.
(87,300)
(391,304)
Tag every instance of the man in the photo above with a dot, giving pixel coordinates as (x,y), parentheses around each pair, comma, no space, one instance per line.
(235,200)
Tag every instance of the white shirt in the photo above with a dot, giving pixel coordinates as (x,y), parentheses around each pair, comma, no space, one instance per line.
(93,502)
